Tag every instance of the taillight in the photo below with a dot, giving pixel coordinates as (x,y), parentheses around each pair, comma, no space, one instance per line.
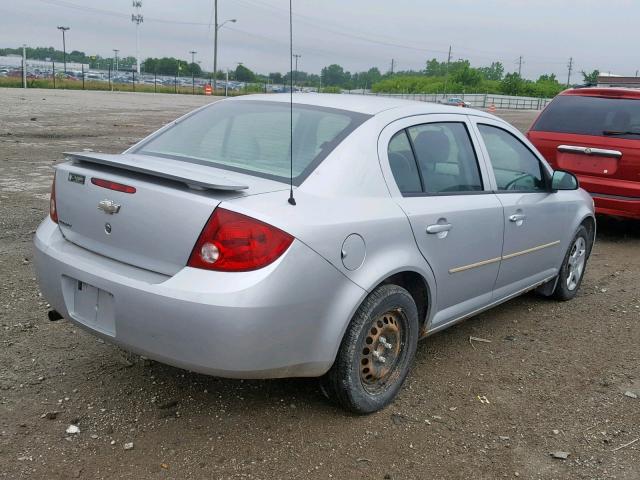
(118,187)
(232,242)
(53,210)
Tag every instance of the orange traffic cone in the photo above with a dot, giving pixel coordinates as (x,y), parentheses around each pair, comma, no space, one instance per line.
(492,108)
(207,89)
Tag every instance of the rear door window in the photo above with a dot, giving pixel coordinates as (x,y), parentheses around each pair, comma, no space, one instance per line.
(403,164)
(597,116)
(445,157)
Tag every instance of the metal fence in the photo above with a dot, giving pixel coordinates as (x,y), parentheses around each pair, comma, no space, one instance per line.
(50,74)
(478,100)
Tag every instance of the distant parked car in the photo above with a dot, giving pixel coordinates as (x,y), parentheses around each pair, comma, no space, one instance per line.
(456,102)
(408,217)
(595,133)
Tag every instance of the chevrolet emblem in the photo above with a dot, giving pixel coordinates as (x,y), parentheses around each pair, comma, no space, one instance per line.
(108,206)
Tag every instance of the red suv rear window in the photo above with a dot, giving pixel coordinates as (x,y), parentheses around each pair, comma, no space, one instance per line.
(615,117)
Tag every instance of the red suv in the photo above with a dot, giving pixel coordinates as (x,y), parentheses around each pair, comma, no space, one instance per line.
(595,133)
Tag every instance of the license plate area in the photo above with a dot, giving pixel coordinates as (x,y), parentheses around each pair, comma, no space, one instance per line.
(587,163)
(90,306)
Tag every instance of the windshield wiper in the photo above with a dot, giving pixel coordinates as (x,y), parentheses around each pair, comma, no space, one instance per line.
(617,132)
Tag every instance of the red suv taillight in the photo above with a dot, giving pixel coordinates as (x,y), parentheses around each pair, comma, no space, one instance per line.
(232,242)
(53,210)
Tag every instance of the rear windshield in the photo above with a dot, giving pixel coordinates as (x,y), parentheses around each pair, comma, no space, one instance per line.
(254,137)
(616,117)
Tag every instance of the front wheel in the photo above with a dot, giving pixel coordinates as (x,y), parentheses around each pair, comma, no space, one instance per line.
(573,266)
(376,352)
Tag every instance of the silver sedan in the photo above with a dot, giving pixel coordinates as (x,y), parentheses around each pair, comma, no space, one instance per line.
(403,218)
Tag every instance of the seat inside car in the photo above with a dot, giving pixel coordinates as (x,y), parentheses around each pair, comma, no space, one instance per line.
(432,149)
(406,177)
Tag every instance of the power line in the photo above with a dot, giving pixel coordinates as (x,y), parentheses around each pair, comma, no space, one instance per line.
(313,21)
(301,18)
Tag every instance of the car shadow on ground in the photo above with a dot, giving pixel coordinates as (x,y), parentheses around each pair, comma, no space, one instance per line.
(182,391)
(617,229)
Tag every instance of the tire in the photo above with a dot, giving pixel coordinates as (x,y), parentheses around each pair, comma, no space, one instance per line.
(573,266)
(370,368)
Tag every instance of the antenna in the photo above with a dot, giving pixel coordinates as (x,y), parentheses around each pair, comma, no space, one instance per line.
(292,201)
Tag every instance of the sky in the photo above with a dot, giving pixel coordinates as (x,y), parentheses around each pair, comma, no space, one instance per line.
(356,34)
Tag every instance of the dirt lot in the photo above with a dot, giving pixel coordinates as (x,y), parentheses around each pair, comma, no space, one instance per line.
(555,375)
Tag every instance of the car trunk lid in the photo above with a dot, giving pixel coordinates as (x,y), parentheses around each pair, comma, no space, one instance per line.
(154,227)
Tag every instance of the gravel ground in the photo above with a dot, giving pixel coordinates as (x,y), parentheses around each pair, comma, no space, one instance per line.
(553,378)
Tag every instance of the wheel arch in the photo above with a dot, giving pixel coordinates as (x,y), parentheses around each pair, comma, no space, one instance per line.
(589,222)
(418,287)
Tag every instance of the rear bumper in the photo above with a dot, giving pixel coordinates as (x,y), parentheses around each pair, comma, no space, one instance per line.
(617,206)
(284,320)
(619,198)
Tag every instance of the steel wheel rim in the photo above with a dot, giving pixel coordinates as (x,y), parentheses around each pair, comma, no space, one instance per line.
(382,352)
(576,262)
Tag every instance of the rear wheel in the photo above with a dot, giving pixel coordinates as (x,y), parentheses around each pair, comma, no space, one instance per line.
(573,266)
(376,352)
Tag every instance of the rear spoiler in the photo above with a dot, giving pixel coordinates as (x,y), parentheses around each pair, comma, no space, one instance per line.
(194,176)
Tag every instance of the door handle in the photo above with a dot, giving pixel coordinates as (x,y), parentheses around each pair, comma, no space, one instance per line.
(517,217)
(439,228)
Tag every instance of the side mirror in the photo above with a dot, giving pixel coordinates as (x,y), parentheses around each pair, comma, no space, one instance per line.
(563,180)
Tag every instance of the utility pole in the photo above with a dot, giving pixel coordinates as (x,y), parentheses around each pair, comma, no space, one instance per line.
(115,50)
(392,65)
(295,73)
(215,46)
(217,27)
(24,66)
(64,46)
(446,73)
(570,66)
(193,76)
(520,66)
(137,18)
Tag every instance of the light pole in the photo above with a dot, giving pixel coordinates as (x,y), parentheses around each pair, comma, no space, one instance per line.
(24,66)
(115,51)
(193,75)
(137,18)
(215,40)
(64,46)
(296,56)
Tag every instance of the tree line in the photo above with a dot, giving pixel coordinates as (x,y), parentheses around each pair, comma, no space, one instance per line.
(50,54)
(437,76)
(459,76)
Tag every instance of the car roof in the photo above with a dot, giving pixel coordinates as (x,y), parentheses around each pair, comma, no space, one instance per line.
(367,104)
(607,92)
